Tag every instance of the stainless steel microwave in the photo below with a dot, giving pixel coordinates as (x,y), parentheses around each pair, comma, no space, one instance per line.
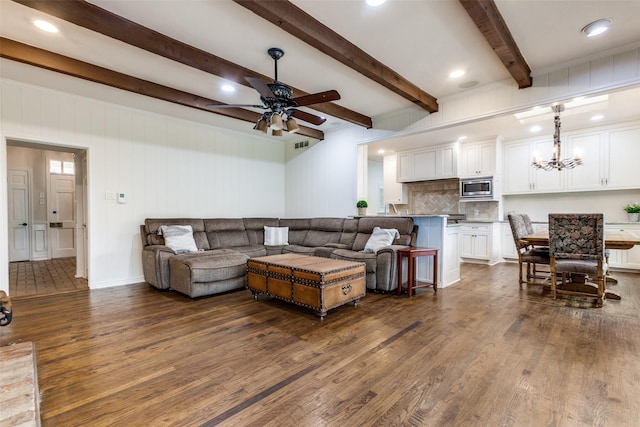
(476,188)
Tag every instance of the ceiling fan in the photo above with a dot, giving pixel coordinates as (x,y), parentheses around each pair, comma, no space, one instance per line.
(277,98)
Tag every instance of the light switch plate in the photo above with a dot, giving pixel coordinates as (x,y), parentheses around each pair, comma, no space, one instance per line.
(109,196)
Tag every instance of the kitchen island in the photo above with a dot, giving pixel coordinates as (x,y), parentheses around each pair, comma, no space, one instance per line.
(434,232)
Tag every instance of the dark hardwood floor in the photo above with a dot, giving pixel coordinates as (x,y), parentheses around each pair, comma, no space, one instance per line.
(483,352)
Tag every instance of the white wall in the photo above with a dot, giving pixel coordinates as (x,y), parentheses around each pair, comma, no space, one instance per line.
(167,167)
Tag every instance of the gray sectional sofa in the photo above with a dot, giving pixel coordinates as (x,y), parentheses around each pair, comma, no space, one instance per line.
(224,245)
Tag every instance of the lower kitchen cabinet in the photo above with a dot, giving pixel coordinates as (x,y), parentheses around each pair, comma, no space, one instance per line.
(478,242)
(628,259)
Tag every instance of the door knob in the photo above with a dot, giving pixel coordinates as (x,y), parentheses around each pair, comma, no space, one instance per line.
(24,223)
(55,212)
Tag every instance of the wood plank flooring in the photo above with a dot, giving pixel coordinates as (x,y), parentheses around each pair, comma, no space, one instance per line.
(483,352)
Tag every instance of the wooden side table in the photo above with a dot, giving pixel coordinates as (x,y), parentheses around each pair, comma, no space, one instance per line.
(411,254)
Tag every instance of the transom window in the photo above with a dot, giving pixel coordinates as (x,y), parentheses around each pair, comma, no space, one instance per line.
(61,167)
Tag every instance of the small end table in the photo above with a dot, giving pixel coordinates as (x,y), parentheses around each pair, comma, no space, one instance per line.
(411,254)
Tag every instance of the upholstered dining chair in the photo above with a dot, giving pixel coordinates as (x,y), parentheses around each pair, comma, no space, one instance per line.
(576,246)
(526,253)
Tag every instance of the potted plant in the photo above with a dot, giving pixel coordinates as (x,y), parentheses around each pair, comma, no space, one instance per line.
(633,209)
(362,207)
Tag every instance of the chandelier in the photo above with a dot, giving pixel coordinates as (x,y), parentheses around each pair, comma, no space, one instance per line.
(556,162)
(277,121)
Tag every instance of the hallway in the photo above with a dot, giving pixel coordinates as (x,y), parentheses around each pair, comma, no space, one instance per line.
(30,278)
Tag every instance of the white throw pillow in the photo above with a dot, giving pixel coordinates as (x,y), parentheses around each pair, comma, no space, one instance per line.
(380,238)
(276,236)
(179,238)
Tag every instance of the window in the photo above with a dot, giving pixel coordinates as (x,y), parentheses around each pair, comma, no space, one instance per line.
(61,167)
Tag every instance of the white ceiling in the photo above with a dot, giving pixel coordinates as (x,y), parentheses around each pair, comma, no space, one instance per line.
(423,41)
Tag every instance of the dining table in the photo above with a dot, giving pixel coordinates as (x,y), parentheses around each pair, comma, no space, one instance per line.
(613,239)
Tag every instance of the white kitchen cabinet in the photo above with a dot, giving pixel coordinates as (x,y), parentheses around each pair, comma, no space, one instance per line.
(478,159)
(476,242)
(521,177)
(609,158)
(508,247)
(628,259)
(394,192)
(427,163)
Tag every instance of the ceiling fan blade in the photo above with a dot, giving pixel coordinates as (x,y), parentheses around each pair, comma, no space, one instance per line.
(261,87)
(236,106)
(308,117)
(317,98)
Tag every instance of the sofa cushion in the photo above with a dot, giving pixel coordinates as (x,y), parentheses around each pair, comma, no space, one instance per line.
(152,225)
(276,236)
(380,238)
(298,229)
(226,232)
(404,225)
(179,238)
(323,231)
(255,228)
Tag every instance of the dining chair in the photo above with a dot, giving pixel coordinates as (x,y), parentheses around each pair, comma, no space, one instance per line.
(527,254)
(576,246)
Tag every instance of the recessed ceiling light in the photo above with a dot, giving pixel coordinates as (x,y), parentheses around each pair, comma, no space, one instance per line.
(456,74)
(534,129)
(381,151)
(375,3)
(228,88)
(597,117)
(45,26)
(597,27)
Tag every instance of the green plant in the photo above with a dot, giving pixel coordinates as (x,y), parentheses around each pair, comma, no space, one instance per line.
(362,204)
(632,207)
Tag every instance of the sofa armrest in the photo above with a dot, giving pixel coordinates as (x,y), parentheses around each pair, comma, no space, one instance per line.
(392,248)
(159,248)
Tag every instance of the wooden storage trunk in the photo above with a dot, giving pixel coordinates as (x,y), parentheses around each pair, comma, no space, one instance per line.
(314,282)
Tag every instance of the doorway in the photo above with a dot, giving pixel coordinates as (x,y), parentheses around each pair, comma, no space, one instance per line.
(47,213)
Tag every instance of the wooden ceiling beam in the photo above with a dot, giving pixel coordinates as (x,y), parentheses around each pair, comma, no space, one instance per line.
(487,17)
(295,21)
(94,18)
(16,51)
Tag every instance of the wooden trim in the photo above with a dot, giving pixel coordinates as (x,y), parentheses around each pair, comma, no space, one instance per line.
(487,17)
(26,54)
(295,21)
(104,22)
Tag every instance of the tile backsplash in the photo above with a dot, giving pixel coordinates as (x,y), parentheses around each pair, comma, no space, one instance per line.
(443,197)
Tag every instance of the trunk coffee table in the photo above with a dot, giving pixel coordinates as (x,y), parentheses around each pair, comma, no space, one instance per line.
(309,281)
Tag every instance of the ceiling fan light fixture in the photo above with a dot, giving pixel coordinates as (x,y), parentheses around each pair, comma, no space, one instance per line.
(276,122)
(292,125)
(597,27)
(262,125)
(276,132)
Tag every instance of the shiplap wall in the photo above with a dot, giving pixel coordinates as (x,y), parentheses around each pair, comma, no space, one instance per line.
(606,71)
(167,167)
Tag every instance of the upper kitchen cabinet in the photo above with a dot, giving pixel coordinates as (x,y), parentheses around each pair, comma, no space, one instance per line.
(478,159)
(520,177)
(609,160)
(428,163)
(394,192)
(608,154)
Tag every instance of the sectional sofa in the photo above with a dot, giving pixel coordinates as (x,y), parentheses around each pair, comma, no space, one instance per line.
(224,245)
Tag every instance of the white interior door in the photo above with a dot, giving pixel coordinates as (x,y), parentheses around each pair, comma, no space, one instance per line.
(62,216)
(18,215)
